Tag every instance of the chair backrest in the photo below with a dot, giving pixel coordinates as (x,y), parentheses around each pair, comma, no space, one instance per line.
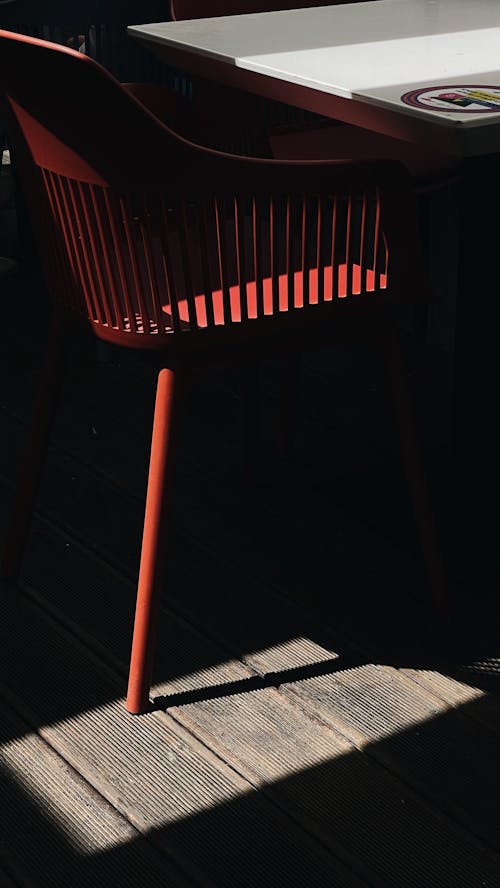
(194,9)
(154,237)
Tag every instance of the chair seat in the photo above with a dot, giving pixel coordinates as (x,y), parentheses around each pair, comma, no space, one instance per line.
(373,283)
(345,142)
(313,298)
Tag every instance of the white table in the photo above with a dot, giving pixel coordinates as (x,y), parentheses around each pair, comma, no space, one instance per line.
(353,62)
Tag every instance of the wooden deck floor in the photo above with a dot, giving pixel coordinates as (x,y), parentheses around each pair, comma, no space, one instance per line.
(315,726)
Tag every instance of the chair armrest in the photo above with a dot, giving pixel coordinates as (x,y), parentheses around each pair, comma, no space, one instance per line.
(169,105)
(215,116)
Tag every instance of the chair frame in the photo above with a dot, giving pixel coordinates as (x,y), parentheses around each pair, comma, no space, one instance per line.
(54,147)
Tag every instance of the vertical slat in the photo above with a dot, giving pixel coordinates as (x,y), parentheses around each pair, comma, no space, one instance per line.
(186,267)
(147,240)
(93,264)
(85,279)
(290,288)
(127,308)
(257,256)
(167,267)
(136,276)
(57,212)
(304,252)
(319,250)
(239,223)
(72,253)
(56,198)
(386,257)
(348,247)
(88,259)
(269,253)
(384,245)
(362,283)
(376,235)
(334,250)
(108,285)
(274,253)
(222,256)
(205,265)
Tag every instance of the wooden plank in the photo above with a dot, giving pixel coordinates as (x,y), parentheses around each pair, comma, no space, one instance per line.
(165,782)
(125,519)
(299,578)
(57,830)
(374,707)
(416,736)
(337,791)
(303,768)
(479,704)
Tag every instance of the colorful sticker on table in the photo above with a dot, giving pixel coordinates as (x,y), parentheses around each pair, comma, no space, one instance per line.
(465,99)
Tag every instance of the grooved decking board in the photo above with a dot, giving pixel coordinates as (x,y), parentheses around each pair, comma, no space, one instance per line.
(214,610)
(340,792)
(436,750)
(460,693)
(72,490)
(58,831)
(338,795)
(404,728)
(206,817)
(409,727)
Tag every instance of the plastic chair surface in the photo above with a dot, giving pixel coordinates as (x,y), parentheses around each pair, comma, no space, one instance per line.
(157,242)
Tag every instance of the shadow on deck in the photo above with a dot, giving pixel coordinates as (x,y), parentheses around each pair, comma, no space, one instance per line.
(314,724)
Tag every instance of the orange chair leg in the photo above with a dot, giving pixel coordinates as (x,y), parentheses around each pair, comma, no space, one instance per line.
(151,570)
(31,469)
(413,465)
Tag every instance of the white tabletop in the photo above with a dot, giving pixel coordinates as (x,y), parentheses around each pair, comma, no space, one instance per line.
(372,52)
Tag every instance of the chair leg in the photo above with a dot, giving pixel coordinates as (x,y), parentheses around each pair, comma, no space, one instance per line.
(151,571)
(31,469)
(416,475)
